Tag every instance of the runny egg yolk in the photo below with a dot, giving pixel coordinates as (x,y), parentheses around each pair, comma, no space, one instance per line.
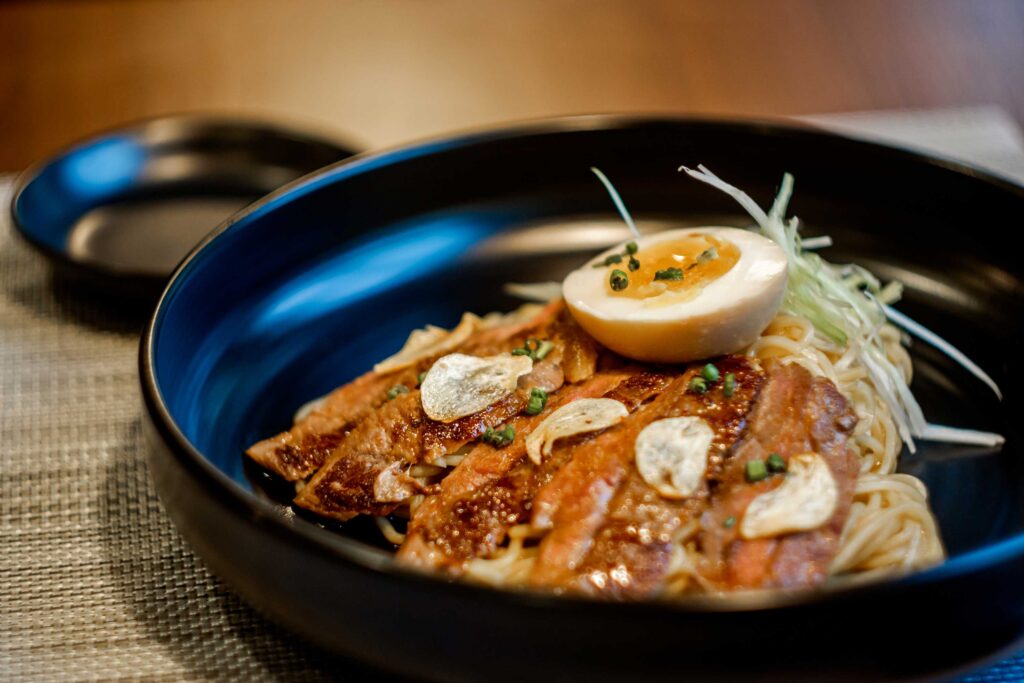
(681,268)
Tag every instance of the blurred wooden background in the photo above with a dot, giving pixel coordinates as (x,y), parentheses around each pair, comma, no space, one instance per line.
(385,71)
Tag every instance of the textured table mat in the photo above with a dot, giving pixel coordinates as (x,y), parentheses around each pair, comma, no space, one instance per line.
(95,583)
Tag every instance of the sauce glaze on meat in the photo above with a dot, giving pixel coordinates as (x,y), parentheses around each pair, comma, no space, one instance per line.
(604,531)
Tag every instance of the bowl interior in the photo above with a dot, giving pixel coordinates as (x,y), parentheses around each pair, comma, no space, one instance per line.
(136,200)
(310,287)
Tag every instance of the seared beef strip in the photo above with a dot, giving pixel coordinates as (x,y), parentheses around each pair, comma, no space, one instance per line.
(796,413)
(493,489)
(302,450)
(366,473)
(397,435)
(610,533)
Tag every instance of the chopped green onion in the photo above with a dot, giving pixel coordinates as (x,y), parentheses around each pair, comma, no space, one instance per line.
(543,349)
(729,522)
(707,255)
(631,248)
(536,349)
(709,372)
(756,471)
(500,437)
(395,391)
(529,348)
(609,261)
(420,377)
(618,280)
(633,264)
(776,464)
(698,385)
(669,274)
(538,399)
(729,388)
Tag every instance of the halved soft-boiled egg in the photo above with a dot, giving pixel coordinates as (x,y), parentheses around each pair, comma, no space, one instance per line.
(680,295)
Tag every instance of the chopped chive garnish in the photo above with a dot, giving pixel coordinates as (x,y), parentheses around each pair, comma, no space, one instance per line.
(669,274)
(420,377)
(529,348)
(397,390)
(698,385)
(543,349)
(729,522)
(707,255)
(609,261)
(631,249)
(538,399)
(618,280)
(729,388)
(776,464)
(536,349)
(709,372)
(500,437)
(756,471)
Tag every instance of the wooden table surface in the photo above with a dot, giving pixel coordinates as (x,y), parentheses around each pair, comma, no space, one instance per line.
(386,71)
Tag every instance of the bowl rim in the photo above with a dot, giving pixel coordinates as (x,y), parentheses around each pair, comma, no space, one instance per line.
(281,127)
(362,557)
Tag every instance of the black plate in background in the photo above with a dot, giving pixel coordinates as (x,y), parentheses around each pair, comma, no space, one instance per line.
(310,286)
(121,209)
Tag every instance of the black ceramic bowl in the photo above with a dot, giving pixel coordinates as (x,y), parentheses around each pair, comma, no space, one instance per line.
(309,286)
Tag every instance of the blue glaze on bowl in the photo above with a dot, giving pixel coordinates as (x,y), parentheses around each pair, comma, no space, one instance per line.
(75,183)
(351,303)
(121,208)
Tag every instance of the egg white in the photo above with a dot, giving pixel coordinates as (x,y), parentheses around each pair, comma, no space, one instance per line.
(725,317)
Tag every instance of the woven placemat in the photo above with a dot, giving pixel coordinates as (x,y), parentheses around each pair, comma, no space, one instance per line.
(95,583)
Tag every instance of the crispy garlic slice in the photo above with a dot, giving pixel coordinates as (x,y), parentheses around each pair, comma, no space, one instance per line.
(672,455)
(805,500)
(578,417)
(458,385)
(428,342)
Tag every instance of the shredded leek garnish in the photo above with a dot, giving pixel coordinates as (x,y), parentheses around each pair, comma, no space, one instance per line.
(848,305)
(964,436)
(921,332)
(617,200)
(816,242)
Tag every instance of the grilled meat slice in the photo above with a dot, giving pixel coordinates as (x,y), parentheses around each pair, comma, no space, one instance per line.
(492,490)
(302,450)
(631,552)
(796,413)
(610,533)
(366,472)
